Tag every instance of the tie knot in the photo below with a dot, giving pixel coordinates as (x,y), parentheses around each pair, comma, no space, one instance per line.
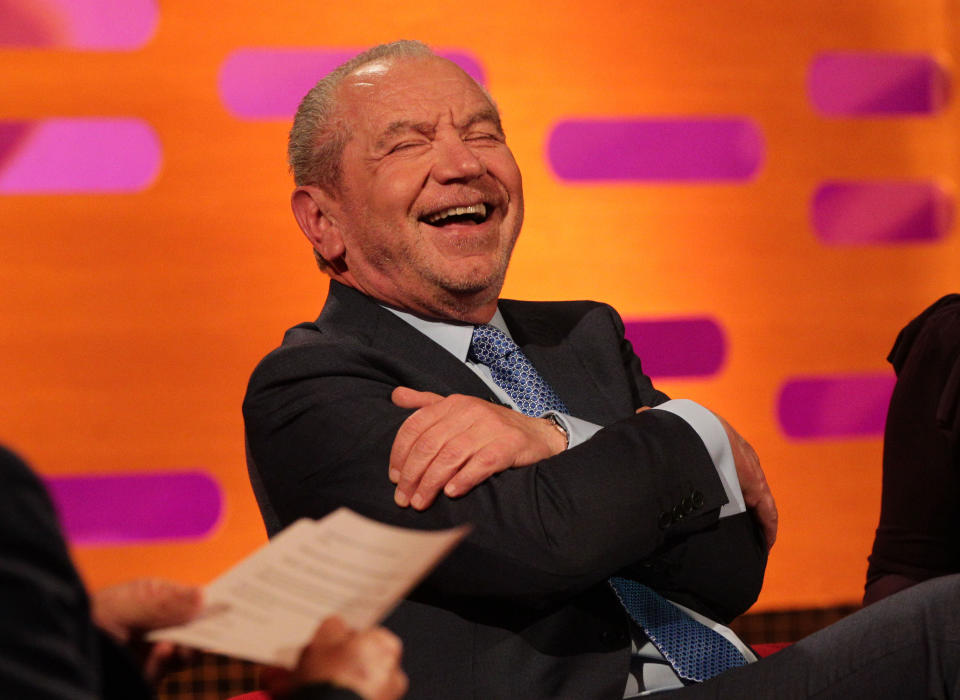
(490,344)
(513,372)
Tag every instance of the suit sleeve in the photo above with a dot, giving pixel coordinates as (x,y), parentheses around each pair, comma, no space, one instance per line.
(49,647)
(320,425)
(717,570)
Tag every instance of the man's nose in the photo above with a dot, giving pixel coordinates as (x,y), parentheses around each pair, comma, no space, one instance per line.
(456,161)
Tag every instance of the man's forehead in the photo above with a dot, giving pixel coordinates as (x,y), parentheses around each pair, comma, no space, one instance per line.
(404,83)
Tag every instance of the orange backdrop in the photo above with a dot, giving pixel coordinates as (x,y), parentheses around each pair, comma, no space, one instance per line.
(131,321)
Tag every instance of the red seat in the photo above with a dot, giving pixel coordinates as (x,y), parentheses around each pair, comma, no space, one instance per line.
(767,649)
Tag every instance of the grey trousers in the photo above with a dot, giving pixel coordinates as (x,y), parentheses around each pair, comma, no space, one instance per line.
(905,646)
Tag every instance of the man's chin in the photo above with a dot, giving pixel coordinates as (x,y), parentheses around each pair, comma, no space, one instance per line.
(482,285)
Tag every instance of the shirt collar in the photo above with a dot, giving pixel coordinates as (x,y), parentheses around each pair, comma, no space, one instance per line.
(452,337)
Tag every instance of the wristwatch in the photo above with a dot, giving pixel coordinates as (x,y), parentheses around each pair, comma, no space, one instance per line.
(552,417)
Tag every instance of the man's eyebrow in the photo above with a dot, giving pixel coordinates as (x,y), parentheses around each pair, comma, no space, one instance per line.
(485,115)
(400,126)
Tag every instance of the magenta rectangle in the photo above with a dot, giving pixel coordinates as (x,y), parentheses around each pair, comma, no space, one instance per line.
(665,150)
(92,25)
(138,507)
(678,347)
(840,406)
(862,84)
(851,212)
(78,155)
(262,83)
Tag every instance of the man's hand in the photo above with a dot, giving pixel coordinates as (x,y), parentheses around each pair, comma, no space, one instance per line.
(368,663)
(127,610)
(457,442)
(753,484)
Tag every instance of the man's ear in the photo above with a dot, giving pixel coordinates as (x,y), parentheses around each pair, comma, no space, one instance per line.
(317,214)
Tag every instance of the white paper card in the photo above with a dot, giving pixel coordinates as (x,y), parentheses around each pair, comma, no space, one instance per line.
(267,607)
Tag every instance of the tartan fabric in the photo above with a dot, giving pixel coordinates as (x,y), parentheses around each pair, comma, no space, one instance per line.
(210,677)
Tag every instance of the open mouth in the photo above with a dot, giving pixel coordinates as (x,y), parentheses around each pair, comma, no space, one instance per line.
(471,215)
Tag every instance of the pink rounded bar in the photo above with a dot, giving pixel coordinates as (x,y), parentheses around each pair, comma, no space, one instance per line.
(850,213)
(679,347)
(261,83)
(78,155)
(144,507)
(842,406)
(91,25)
(860,84)
(656,150)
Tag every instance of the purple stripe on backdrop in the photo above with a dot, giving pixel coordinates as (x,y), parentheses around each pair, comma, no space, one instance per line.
(681,149)
(260,83)
(874,84)
(24,23)
(81,155)
(841,406)
(881,212)
(144,507)
(13,135)
(96,25)
(678,347)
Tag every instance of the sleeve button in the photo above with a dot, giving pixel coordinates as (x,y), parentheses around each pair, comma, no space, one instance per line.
(664,521)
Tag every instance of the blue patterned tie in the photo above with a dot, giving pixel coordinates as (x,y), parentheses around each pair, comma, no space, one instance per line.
(513,372)
(694,650)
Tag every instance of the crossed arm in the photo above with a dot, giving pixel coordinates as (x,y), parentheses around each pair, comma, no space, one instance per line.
(454,443)
(322,425)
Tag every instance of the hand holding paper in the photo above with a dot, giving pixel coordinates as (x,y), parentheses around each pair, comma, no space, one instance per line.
(267,607)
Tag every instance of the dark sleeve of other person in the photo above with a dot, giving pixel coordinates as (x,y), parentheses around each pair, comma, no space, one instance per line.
(918,536)
(49,646)
(50,649)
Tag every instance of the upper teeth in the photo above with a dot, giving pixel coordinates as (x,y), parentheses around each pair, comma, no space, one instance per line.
(480,209)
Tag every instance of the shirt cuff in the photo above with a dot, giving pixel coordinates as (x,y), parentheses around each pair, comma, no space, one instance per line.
(714,438)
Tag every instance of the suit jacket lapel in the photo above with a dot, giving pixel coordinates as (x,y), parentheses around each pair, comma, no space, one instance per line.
(567,367)
(431,365)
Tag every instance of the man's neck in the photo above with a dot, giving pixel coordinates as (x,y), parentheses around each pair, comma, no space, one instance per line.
(471,308)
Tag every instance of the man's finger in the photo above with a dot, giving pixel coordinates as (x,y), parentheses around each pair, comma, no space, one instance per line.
(405,397)
(388,644)
(332,631)
(437,475)
(439,440)
(475,450)
(753,483)
(141,605)
(157,659)
(410,431)
(766,512)
(481,466)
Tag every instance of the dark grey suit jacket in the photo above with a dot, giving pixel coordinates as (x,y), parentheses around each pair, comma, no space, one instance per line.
(521,609)
(49,647)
